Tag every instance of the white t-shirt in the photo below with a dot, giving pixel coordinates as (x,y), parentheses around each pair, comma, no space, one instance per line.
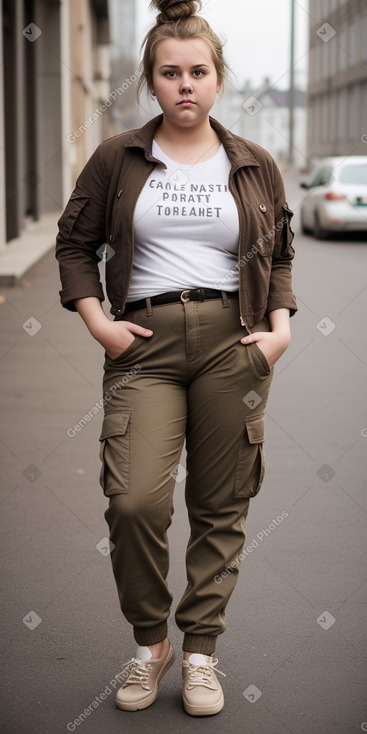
(186,228)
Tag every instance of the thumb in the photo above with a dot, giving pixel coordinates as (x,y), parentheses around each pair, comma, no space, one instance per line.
(136,329)
(251,338)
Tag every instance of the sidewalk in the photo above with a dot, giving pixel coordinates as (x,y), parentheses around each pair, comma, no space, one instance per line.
(292,652)
(22,253)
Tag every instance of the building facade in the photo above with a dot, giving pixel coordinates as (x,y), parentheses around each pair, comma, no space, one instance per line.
(124,64)
(54,79)
(262,115)
(337,94)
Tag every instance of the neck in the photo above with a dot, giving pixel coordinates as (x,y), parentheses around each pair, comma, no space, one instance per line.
(197,135)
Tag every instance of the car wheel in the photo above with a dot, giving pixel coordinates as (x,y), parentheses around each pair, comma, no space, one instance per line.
(318,232)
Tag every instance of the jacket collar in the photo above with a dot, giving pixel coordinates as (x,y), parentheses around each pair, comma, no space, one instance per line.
(235,147)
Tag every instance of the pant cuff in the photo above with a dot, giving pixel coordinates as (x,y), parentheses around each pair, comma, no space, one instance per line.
(204,644)
(151,635)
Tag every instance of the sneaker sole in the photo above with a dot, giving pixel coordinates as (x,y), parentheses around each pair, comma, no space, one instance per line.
(139,705)
(202,710)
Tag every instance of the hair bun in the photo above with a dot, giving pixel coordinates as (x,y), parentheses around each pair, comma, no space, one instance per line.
(174,10)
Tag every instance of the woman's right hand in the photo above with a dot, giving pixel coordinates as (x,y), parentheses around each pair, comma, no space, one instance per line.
(116,336)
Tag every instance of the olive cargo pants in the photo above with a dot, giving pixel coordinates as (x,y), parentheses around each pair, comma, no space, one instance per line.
(192,380)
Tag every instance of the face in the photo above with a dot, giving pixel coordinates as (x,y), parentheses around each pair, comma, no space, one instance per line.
(185,80)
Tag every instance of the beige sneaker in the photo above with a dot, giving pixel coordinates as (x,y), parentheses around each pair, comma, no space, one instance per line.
(201,692)
(140,689)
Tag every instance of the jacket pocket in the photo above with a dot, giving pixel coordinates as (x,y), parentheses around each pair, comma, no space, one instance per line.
(251,458)
(115,453)
(265,218)
(71,212)
(287,250)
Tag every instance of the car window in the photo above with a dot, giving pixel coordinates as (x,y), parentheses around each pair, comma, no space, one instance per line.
(354,174)
(322,177)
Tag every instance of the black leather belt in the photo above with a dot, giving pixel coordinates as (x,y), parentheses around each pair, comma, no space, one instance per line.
(189,294)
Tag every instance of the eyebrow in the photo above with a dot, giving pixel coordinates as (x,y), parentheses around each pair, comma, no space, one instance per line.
(175,66)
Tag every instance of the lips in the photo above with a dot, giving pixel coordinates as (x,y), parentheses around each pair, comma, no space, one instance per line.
(186,102)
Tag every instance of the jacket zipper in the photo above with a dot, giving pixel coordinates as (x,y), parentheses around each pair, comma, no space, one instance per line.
(237,200)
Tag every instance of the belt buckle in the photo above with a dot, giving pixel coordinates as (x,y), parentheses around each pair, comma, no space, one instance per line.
(185,296)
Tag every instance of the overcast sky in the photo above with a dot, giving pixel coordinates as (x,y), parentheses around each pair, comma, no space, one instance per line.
(258,37)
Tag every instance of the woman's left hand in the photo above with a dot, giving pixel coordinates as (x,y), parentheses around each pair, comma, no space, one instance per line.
(272,343)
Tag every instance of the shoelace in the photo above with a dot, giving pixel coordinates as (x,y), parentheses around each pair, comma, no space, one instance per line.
(200,675)
(139,673)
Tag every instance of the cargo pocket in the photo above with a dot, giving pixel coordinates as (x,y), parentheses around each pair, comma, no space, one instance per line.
(251,457)
(115,453)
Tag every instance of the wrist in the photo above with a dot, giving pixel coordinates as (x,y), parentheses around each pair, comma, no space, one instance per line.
(283,332)
(283,337)
(98,325)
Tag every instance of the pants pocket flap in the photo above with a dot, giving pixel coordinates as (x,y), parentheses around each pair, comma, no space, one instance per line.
(255,427)
(115,424)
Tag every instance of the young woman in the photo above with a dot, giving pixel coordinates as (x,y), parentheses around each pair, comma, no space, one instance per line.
(198,274)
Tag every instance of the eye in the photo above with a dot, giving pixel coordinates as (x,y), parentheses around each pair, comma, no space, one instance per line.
(170,74)
(199,72)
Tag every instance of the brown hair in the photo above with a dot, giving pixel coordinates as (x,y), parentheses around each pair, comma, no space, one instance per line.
(178,19)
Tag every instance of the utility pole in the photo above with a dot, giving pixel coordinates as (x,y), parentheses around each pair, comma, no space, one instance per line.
(291,88)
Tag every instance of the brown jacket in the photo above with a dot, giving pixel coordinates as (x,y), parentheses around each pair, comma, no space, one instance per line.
(101,209)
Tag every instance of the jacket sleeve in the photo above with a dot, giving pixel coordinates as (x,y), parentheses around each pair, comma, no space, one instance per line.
(81,236)
(280,290)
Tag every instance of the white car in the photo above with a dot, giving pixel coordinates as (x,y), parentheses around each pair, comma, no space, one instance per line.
(336,199)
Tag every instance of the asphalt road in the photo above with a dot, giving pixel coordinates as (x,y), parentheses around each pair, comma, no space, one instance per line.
(293,652)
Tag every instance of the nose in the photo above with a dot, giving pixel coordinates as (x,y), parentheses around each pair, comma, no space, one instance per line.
(186,86)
